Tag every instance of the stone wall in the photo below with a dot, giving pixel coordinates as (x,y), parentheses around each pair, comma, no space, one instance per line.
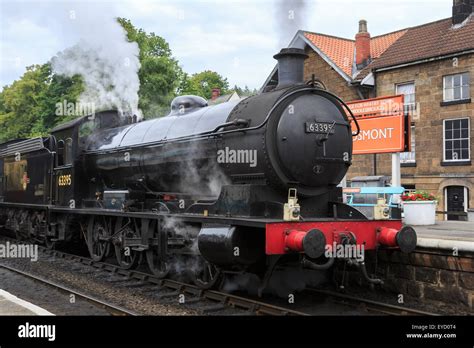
(423,275)
(429,173)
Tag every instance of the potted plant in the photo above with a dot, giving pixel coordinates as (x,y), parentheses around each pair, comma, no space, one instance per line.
(419,208)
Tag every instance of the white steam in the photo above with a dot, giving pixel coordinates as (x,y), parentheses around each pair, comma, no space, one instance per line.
(106,60)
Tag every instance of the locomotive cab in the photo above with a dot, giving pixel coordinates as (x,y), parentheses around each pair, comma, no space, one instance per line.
(69,140)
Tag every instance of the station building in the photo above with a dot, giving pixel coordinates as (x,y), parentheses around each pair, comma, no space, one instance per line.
(432,65)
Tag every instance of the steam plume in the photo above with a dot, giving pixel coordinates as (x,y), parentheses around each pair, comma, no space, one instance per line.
(106,60)
(289,17)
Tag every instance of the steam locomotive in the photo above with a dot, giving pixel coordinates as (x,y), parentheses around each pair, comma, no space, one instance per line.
(241,186)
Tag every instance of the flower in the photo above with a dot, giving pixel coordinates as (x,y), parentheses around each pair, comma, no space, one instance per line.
(419,196)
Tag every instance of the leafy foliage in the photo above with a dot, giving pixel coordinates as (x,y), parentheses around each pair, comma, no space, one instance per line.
(203,83)
(245,92)
(160,74)
(27,106)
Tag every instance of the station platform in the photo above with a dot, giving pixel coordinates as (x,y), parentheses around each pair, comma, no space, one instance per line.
(447,235)
(12,305)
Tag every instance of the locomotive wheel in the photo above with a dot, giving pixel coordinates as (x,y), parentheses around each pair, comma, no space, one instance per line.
(98,238)
(156,261)
(126,257)
(207,276)
(156,264)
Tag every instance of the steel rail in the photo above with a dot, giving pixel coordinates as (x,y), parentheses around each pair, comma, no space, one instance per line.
(109,307)
(225,300)
(371,305)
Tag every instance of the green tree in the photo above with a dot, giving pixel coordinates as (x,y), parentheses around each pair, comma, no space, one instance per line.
(245,92)
(28,105)
(58,89)
(202,83)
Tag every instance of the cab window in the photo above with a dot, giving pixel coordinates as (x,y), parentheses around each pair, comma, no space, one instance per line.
(68,151)
(60,153)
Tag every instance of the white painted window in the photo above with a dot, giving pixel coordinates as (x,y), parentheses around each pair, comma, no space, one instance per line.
(409,106)
(456,87)
(456,140)
(408,90)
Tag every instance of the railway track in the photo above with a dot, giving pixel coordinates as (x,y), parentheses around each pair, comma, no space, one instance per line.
(109,307)
(211,301)
(371,306)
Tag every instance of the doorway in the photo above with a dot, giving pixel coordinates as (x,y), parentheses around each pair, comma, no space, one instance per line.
(456,199)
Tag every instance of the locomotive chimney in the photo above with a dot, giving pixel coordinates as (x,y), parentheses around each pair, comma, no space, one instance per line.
(216,92)
(362,45)
(461,10)
(290,66)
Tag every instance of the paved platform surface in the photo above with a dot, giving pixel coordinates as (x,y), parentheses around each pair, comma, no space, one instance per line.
(12,305)
(452,230)
(447,235)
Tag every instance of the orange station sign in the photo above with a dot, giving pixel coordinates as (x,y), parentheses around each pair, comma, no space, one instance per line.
(382,125)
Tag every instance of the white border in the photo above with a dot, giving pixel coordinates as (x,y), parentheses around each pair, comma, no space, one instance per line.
(27,305)
(468,139)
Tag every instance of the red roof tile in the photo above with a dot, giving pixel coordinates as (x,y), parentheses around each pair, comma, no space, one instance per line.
(403,46)
(378,44)
(341,51)
(427,41)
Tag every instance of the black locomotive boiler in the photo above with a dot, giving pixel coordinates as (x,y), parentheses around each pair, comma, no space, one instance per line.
(236,187)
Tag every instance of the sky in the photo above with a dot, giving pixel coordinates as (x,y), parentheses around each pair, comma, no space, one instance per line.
(236,38)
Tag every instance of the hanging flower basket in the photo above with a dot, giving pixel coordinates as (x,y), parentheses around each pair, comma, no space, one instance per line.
(419,208)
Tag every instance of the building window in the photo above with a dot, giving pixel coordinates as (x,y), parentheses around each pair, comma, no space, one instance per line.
(409,107)
(408,90)
(456,87)
(456,140)
(409,157)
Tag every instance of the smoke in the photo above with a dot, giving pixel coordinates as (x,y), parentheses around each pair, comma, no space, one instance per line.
(203,178)
(107,62)
(290,16)
(200,175)
(182,266)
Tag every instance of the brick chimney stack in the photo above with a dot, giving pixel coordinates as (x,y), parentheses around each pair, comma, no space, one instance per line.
(216,92)
(461,10)
(362,45)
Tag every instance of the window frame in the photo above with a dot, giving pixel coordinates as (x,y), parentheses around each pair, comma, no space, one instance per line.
(461,85)
(60,148)
(468,140)
(412,140)
(413,109)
